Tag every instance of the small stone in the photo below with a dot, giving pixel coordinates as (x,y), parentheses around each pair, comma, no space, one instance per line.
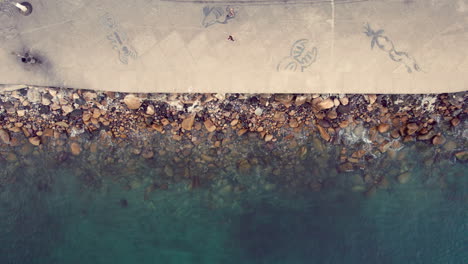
(158,128)
(168,171)
(332,114)
(75,148)
(89,96)
(346,167)
(243,166)
(33,95)
(21,113)
(150,110)
(207,158)
(326,104)
(450,146)
(372,98)
(323,133)
(284,98)
(11,157)
(268,137)
(147,154)
(293,123)
(455,121)
(395,134)
(404,178)
(302,152)
(4,136)
(209,125)
(300,100)
(86,116)
(36,141)
(384,146)
(62,124)
(462,156)
(344,101)
(241,132)
(45,101)
(234,122)
(438,140)
(383,128)
(258,111)
(187,123)
(132,101)
(67,109)
(336,102)
(96,113)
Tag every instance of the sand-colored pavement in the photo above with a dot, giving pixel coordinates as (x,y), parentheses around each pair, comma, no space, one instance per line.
(295,46)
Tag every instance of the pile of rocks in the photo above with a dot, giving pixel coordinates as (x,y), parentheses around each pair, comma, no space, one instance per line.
(205,131)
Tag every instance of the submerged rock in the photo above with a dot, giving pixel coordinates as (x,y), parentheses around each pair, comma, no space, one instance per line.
(5,136)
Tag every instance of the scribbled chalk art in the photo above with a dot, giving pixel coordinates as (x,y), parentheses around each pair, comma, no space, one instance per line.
(385,44)
(302,55)
(218,15)
(118,39)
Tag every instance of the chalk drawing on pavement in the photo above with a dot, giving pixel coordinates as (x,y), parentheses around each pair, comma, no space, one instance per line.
(302,55)
(118,38)
(385,44)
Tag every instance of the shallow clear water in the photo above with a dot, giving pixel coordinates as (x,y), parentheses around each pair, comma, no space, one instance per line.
(420,221)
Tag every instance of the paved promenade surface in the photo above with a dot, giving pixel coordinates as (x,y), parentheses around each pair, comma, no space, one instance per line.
(296,46)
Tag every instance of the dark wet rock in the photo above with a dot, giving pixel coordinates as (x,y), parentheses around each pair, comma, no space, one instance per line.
(75,114)
(123,203)
(44,109)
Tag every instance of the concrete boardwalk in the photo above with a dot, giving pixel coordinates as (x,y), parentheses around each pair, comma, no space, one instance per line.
(295,46)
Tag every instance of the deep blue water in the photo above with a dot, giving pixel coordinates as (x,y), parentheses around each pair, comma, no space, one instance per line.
(420,221)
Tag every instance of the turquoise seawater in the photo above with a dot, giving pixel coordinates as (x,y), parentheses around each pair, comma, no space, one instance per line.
(66,221)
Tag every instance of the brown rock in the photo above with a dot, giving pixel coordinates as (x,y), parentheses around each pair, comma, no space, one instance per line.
(300,100)
(325,104)
(241,132)
(346,167)
(75,148)
(96,113)
(293,123)
(268,137)
(209,125)
(395,133)
(284,98)
(36,141)
(168,171)
(243,166)
(404,178)
(372,98)
(332,114)
(344,101)
(323,133)
(438,140)
(187,123)
(132,101)
(384,146)
(207,158)
(383,128)
(5,136)
(157,127)
(462,156)
(302,152)
(455,121)
(279,117)
(150,110)
(67,109)
(11,157)
(450,146)
(147,154)
(412,128)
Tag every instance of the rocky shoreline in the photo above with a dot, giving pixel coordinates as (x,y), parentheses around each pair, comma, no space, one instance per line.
(190,138)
